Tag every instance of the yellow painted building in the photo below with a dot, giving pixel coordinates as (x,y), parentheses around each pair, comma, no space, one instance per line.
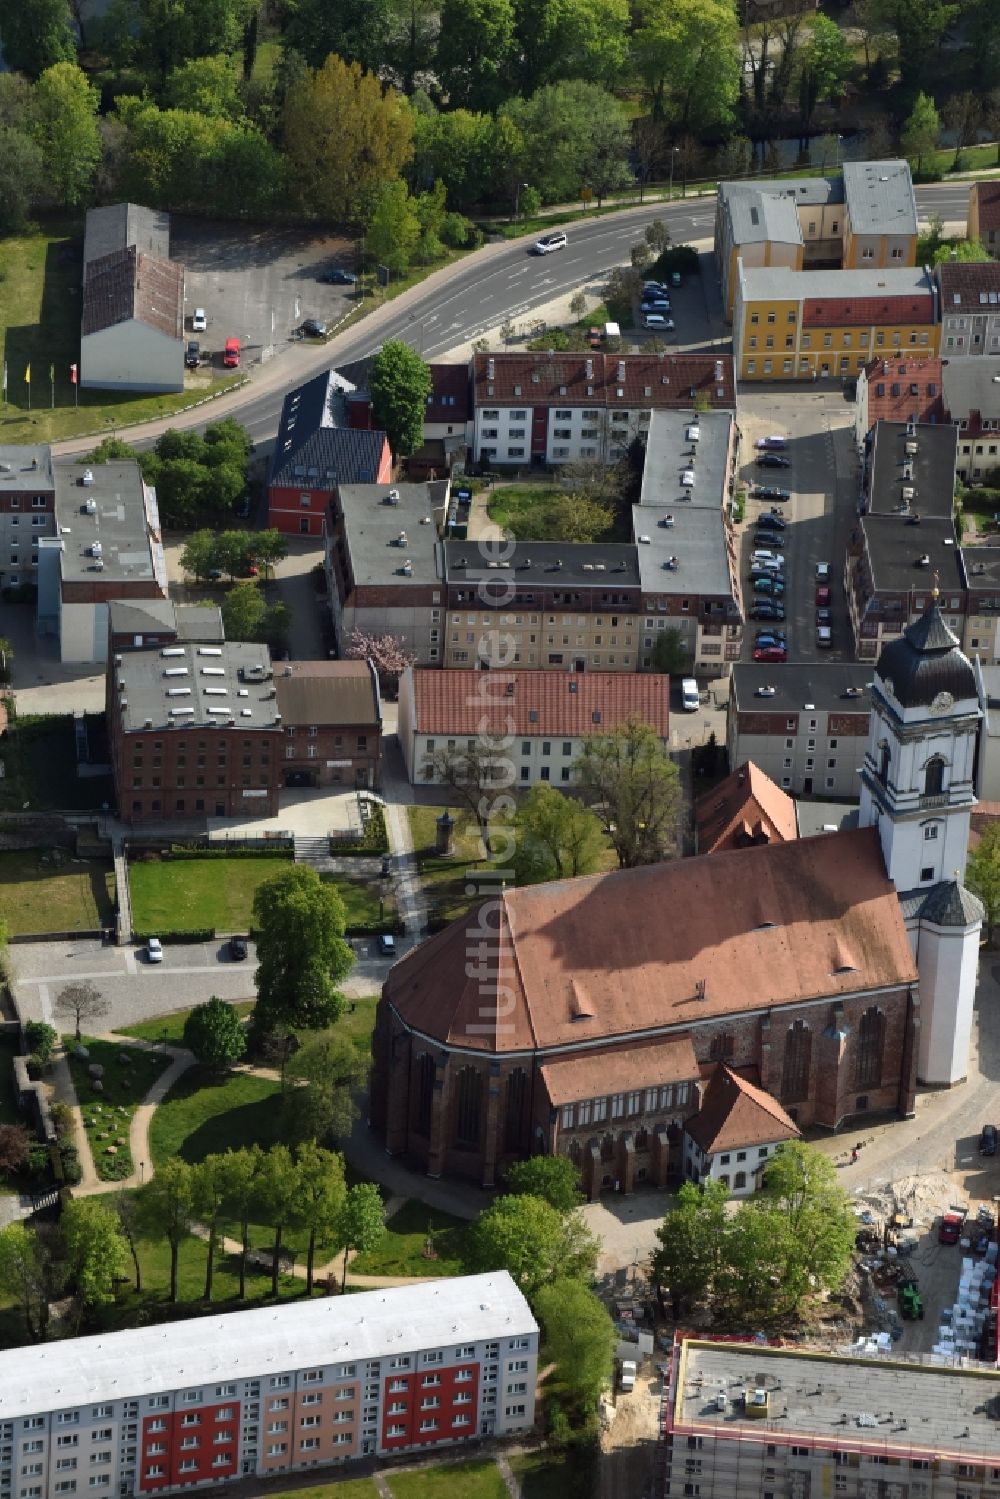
(825,325)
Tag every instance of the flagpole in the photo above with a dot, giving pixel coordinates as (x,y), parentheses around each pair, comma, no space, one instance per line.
(52,383)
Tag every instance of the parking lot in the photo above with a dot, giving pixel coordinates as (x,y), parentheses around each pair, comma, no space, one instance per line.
(256,284)
(822,478)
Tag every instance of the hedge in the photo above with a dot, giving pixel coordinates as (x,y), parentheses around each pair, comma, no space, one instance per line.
(268,850)
(194,934)
(375,840)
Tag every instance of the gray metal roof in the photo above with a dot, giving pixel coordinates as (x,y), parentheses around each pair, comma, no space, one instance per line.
(756,216)
(879,197)
(607,566)
(929,471)
(815,818)
(123,224)
(970,384)
(374,524)
(785,285)
(947,903)
(672,448)
(124,523)
(26,466)
(685,524)
(924,660)
(161,616)
(190,684)
(826,686)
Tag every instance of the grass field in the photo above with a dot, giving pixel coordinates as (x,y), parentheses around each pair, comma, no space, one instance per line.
(107,1113)
(202,1115)
(446,879)
(361,902)
(39,756)
(40,275)
(348,1488)
(547,1475)
(401,1249)
(170,1028)
(476,1480)
(54,892)
(180,894)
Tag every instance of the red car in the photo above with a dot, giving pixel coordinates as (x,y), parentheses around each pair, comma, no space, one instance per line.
(770,653)
(823,596)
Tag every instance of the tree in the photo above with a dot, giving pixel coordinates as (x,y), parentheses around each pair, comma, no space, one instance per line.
(269,548)
(635,787)
(920,26)
(83,1002)
(825,66)
(557,839)
(65,126)
(553,1178)
(481,776)
(113,450)
(578,305)
(22,1276)
(344,139)
(962,114)
(801,1189)
(411,48)
(243,1169)
(36,34)
(393,230)
(691,1237)
(15,1146)
(166,32)
(919,135)
(167,1207)
(360,1223)
(982,875)
(129,1216)
(387,653)
(244,611)
(199,554)
(95,1248)
(22,177)
(573,517)
(579,1338)
(321,1079)
(399,382)
(356,30)
(687,53)
(605,164)
(275,1195)
(209,1186)
(319,1197)
(214,1032)
(585,39)
(301,950)
(870,26)
(206,85)
(671,653)
(534,1241)
(573,135)
(474,51)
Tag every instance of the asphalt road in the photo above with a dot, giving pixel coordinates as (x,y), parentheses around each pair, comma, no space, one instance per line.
(481,291)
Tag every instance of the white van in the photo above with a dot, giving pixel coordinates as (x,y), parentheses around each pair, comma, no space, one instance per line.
(690,697)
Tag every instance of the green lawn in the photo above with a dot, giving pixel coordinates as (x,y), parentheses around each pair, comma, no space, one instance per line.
(170,1028)
(40,275)
(51,891)
(203,1115)
(547,1475)
(358,1022)
(401,1249)
(39,757)
(475,1480)
(446,879)
(107,1112)
(347,1488)
(361,902)
(179,894)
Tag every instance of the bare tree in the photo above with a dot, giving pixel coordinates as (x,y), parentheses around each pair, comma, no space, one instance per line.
(649,149)
(962,114)
(481,774)
(83,1002)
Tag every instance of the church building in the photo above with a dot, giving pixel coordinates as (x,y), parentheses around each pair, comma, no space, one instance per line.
(832,974)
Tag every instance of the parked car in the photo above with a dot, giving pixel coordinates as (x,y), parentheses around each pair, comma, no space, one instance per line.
(824,637)
(823,596)
(549,242)
(690,696)
(387,945)
(154,950)
(988,1140)
(765,554)
(313,328)
(199,323)
(765,609)
(192,354)
(238,949)
(771,492)
(231,354)
(767,538)
(768,584)
(652,285)
(337,277)
(775,653)
(594,337)
(771,637)
(773,460)
(656,304)
(657,320)
(822,572)
(823,616)
(771,444)
(772,518)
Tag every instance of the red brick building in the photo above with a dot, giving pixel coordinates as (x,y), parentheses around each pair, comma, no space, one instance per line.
(596,1009)
(331,718)
(316,452)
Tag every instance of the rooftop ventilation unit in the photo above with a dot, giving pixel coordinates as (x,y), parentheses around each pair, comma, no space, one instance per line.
(180,712)
(178,692)
(687,478)
(644,540)
(90,505)
(99,565)
(718,369)
(213,671)
(210,650)
(693,433)
(216,691)
(671,564)
(96,549)
(924,561)
(175,671)
(667,520)
(911,448)
(392,498)
(217,710)
(407,569)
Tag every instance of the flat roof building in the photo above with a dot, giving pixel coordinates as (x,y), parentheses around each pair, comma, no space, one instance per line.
(804,724)
(27,509)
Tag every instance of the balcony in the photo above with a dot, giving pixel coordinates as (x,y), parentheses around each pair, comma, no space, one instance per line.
(940,800)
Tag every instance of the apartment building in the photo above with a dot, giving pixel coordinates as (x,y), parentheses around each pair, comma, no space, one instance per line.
(904,389)
(551,409)
(984,215)
(545,718)
(270,1391)
(27,509)
(194,732)
(316,452)
(805,725)
(808,325)
(970,307)
(960,389)
(743,1418)
(331,719)
(904,543)
(107,546)
(863,218)
(561,606)
(384,567)
(971,394)
(688,565)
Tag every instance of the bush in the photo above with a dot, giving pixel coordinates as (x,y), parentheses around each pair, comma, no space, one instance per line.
(41,1040)
(374,841)
(457,231)
(72,1170)
(36,1068)
(38,1163)
(275,850)
(62,1119)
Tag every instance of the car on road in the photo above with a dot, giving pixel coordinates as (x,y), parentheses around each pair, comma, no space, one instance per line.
(822,572)
(773,460)
(771,444)
(768,584)
(771,492)
(154,950)
(988,1140)
(772,518)
(823,596)
(238,949)
(199,322)
(337,277)
(387,945)
(192,354)
(656,320)
(231,354)
(765,609)
(768,538)
(772,653)
(549,242)
(313,328)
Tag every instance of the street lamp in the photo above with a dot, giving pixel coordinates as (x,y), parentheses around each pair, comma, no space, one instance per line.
(517,199)
(673,153)
(839,139)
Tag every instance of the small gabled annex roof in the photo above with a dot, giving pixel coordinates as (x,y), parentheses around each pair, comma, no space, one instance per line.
(747,807)
(734,1114)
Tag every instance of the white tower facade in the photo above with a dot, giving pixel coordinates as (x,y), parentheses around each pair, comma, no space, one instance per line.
(917,789)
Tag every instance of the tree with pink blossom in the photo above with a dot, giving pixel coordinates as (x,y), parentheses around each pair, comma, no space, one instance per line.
(387,653)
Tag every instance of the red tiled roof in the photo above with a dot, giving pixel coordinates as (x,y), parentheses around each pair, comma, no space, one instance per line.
(735,1114)
(449,397)
(746,807)
(967,281)
(663,947)
(866,312)
(127,285)
(653,380)
(988,198)
(588,1074)
(460,700)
